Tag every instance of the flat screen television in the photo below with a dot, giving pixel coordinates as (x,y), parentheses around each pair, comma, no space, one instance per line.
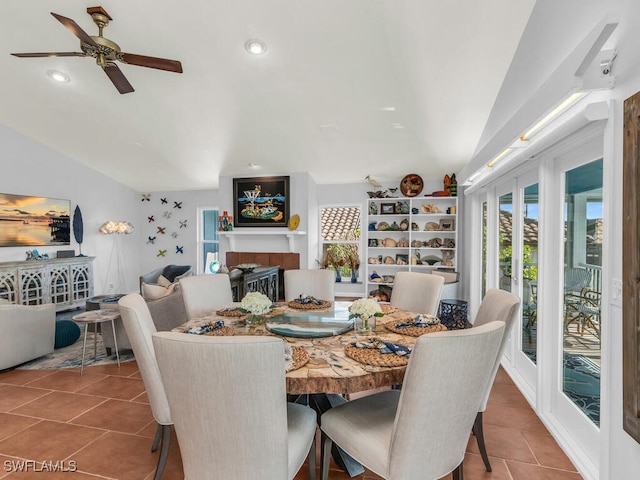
(33,221)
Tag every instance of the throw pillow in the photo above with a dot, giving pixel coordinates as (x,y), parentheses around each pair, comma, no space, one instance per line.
(163,281)
(170,272)
(153,292)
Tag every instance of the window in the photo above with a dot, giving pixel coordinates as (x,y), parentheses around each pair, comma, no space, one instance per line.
(208,238)
(340,240)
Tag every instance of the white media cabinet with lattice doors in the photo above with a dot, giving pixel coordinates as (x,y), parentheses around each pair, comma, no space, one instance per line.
(67,282)
(416,234)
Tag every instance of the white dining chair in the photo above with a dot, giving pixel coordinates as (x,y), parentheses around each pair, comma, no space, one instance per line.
(419,432)
(228,399)
(317,283)
(139,326)
(502,306)
(203,294)
(417,292)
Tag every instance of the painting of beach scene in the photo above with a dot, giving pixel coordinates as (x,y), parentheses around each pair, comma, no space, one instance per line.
(33,221)
(261,202)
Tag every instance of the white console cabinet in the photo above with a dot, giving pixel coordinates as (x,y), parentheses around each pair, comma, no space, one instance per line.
(67,282)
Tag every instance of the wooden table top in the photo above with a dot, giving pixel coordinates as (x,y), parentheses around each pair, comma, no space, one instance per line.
(329,370)
(96,316)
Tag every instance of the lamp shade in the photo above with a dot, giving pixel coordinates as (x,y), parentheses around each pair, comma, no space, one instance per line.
(111,226)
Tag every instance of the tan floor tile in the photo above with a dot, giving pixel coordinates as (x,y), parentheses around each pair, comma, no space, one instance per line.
(126,369)
(10,424)
(523,471)
(117,415)
(505,393)
(49,441)
(474,469)
(22,377)
(12,396)
(547,451)
(67,381)
(149,430)
(118,455)
(521,418)
(142,398)
(507,443)
(115,387)
(60,406)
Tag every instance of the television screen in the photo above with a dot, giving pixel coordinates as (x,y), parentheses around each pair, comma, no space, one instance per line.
(33,221)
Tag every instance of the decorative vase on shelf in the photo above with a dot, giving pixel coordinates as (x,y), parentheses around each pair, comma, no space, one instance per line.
(354,275)
(338,275)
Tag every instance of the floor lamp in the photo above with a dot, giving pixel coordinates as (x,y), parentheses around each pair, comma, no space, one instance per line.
(115,228)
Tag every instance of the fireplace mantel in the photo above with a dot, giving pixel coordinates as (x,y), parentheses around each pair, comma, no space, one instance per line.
(231,236)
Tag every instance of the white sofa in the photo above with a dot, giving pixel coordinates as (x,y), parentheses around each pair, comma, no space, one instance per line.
(26,332)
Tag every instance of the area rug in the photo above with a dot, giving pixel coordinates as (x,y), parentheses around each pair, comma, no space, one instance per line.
(71,356)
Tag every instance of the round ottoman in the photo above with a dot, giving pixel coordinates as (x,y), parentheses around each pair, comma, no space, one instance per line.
(67,332)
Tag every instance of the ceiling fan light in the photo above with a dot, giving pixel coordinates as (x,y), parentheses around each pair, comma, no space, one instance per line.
(58,76)
(255,47)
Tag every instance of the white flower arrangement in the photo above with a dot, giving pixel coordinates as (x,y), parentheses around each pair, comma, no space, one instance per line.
(365,308)
(256,303)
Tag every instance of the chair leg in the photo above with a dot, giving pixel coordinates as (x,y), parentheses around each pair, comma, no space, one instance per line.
(164,451)
(312,460)
(478,430)
(326,455)
(157,438)
(457,474)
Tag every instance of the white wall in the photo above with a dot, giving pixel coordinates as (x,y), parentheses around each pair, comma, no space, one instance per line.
(30,168)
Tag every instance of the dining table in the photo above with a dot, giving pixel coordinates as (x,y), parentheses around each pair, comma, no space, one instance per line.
(322,372)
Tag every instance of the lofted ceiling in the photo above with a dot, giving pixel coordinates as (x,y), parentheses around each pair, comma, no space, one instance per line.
(346,88)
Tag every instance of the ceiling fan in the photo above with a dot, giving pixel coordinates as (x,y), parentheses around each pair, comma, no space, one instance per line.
(105,51)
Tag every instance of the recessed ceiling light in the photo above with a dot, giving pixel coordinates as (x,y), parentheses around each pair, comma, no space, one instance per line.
(255,46)
(388,109)
(253,165)
(58,76)
(398,126)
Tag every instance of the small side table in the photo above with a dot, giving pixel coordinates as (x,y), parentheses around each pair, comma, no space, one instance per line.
(95,317)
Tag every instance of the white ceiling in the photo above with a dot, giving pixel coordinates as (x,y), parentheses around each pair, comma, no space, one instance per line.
(318,101)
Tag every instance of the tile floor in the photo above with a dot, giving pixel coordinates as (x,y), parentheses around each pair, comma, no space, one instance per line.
(101,421)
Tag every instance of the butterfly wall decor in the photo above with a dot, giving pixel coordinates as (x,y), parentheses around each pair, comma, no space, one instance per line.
(151,219)
(152,240)
(167,214)
(174,234)
(161,230)
(183,224)
(163,201)
(177,204)
(161,253)
(179,249)
(146,197)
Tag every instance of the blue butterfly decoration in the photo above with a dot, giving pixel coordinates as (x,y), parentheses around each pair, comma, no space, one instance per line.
(161,253)
(146,197)
(163,201)
(179,249)
(183,224)
(152,240)
(174,234)
(151,219)
(177,204)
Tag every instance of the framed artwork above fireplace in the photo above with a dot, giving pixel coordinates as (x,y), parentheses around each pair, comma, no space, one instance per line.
(261,201)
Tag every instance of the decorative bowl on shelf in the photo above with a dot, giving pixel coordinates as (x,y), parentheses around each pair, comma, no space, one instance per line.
(247,267)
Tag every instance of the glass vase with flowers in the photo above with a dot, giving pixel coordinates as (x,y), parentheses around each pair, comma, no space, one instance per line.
(364,313)
(256,305)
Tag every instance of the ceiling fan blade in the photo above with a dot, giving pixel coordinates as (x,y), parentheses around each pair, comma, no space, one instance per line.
(74,28)
(50,54)
(118,78)
(152,62)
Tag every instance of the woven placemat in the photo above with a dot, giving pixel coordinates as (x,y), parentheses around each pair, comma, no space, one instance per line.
(414,331)
(373,356)
(387,308)
(220,332)
(309,306)
(230,312)
(299,356)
